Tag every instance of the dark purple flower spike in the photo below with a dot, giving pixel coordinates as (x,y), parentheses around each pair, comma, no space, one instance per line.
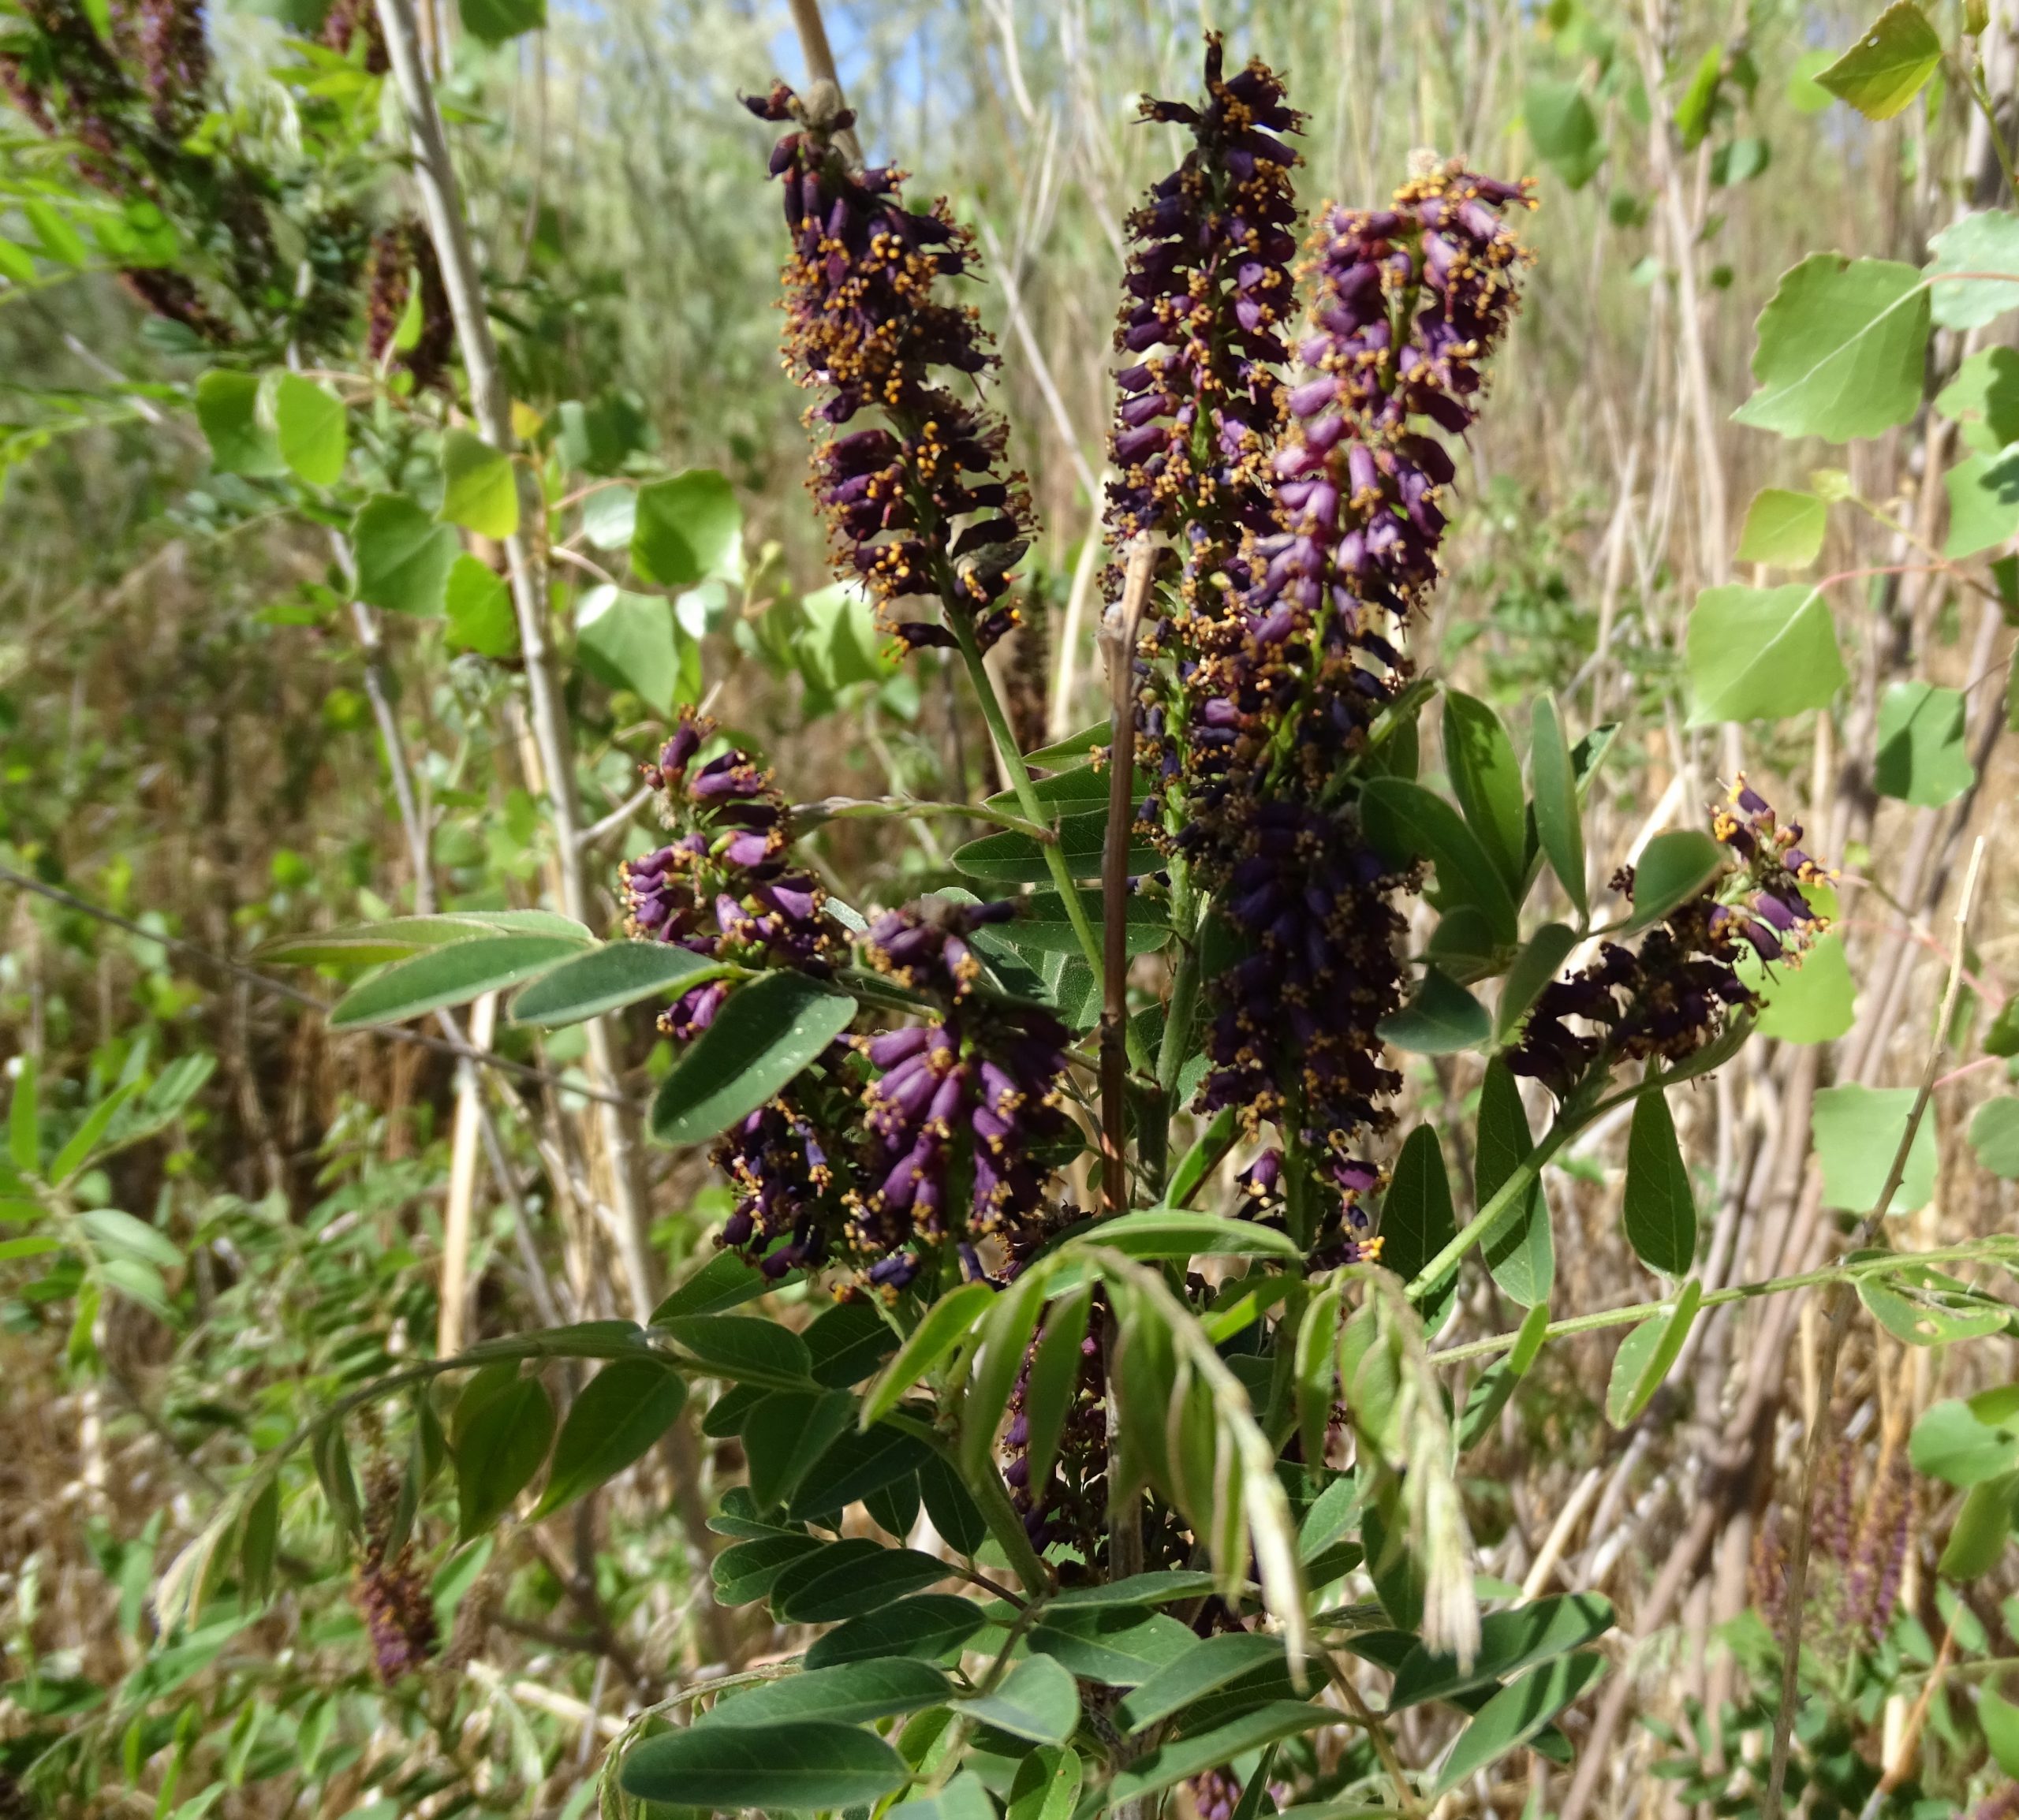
(921,506)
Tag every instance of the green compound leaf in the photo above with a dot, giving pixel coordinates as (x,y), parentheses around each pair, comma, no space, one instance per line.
(800,1767)
(1983,1527)
(847,1579)
(1406,822)
(1660,1209)
(1509,1642)
(309,429)
(765,1033)
(1964,1442)
(1783,529)
(1886,69)
(1186,1757)
(1986,242)
(686,528)
(1122,1646)
(745,1348)
(403,556)
(498,1449)
(1178,1232)
(453,975)
(621,1412)
(1922,758)
(1646,1354)
(1857,1131)
(1760,654)
(607,979)
(1841,347)
(1010,858)
(1538,963)
(479,492)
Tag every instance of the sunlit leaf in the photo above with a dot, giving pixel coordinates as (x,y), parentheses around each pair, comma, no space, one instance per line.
(479,491)
(1886,69)
(1783,529)
(800,1764)
(1841,350)
(764,1034)
(1761,654)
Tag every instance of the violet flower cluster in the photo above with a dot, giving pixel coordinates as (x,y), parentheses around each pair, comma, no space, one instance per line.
(1206,297)
(727,887)
(921,506)
(964,1109)
(1672,996)
(1312,511)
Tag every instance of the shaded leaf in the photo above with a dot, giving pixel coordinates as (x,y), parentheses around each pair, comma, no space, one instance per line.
(1964,1442)
(1994,1137)
(800,1766)
(785,1432)
(858,1462)
(630,641)
(620,1414)
(849,1578)
(927,1627)
(741,1347)
(403,556)
(1210,1664)
(1559,823)
(1186,1757)
(1564,130)
(1442,1018)
(1122,1645)
(1922,758)
(1406,822)
(1417,1221)
(1660,1208)
(1509,1642)
(1673,868)
(1486,777)
(498,1450)
(849,1695)
(746,1573)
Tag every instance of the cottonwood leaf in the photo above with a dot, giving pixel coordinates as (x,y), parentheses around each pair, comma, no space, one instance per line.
(1893,56)
(1857,1131)
(1987,241)
(479,491)
(685,528)
(1922,757)
(1841,347)
(1760,654)
(1783,529)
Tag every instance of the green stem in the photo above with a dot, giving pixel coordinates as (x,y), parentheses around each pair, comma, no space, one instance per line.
(1184,985)
(1005,1526)
(1027,796)
(1637,1311)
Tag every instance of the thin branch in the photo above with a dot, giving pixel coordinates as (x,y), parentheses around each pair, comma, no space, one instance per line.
(1118,646)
